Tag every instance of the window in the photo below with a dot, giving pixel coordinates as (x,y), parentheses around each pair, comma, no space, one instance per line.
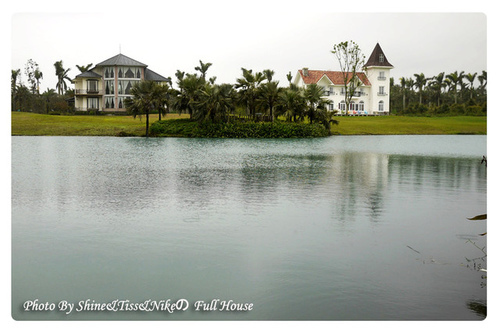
(342,105)
(381,90)
(92,86)
(124,86)
(129,72)
(92,103)
(110,87)
(109,72)
(380,105)
(381,58)
(361,105)
(109,102)
(331,106)
(381,75)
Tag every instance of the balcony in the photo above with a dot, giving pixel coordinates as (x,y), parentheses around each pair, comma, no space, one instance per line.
(88,92)
(381,78)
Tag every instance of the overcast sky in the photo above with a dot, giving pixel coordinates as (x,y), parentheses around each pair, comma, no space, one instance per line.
(169,38)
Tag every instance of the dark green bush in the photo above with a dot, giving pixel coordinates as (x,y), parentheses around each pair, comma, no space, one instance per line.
(188,128)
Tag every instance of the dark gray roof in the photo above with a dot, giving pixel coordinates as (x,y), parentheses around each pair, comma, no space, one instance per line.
(121,60)
(376,59)
(88,74)
(153,76)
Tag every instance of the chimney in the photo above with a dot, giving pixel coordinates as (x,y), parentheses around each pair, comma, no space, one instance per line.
(305,71)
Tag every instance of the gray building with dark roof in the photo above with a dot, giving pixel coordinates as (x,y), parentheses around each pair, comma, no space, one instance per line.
(106,86)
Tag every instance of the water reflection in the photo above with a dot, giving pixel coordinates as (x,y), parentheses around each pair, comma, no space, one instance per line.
(279,223)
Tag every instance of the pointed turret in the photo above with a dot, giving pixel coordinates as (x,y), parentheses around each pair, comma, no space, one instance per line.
(378,58)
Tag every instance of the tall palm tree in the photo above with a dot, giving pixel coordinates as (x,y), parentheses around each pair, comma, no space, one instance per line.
(471,77)
(437,84)
(62,76)
(403,88)
(420,81)
(454,80)
(13,87)
(38,76)
(142,101)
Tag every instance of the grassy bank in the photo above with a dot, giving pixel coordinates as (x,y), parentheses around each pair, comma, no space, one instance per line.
(405,125)
(28,124)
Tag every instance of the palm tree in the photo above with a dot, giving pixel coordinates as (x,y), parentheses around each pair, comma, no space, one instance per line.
(403,88)
(189,90)
(13,86)
(471,77)
(160,95)
(62,76)
(454,80)
(268,96)
(38,76)
(84,68)
(48,95)
(142,101)
(437,84)
(313,95)
(203,68)
(420,81)
(291,103)
(248,89)
(215,102)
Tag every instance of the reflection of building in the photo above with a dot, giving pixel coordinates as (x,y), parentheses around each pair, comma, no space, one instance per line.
(371,98)
(106,86)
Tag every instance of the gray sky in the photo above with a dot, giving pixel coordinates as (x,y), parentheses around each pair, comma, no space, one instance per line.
(169,38)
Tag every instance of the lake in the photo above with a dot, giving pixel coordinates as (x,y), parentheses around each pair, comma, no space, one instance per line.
(337,228)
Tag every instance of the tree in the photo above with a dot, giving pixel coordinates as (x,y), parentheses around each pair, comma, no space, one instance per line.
(215,102)
(161,95)
(313,95)
(420,81)
(351,61)
(471,77)
(437,84)
(38,76)
(189,90)
(142,101)
(203,68)
(30,68)
(13,87)
(268,96)
(248,89)
(62,76)
(453,81)
(84,68)
(291,103)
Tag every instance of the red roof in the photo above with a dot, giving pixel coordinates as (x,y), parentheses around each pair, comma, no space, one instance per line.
(336,77)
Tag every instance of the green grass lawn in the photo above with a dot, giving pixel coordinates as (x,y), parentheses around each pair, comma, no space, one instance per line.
(28,124)
(406,125)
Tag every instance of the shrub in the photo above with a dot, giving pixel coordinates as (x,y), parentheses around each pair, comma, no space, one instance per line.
(188,128)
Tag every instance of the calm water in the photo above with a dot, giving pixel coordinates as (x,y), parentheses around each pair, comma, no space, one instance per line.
(341,228)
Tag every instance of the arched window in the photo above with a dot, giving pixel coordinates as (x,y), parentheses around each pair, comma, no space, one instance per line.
(380,105)
(342,105)
(361,105)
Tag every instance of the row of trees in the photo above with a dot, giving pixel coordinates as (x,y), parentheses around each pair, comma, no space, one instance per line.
(440,94)
(255,95)
(28,97)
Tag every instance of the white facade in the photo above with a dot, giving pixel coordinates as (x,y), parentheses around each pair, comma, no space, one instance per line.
(371,98)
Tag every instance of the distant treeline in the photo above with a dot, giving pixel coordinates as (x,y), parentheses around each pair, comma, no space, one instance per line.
(444,94)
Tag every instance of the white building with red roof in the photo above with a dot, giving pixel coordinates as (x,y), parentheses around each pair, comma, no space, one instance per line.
(371,98)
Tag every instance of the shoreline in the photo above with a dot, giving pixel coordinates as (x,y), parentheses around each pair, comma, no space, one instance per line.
(30,124)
